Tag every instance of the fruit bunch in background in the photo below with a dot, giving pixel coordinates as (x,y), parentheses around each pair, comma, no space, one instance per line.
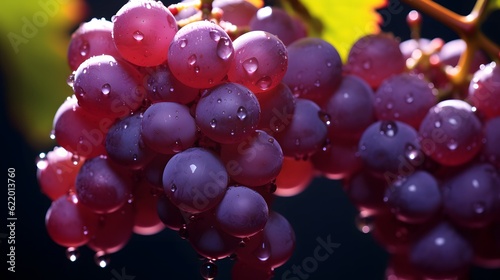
(195,116)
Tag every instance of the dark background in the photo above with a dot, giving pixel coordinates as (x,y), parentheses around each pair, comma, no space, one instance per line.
(322,210)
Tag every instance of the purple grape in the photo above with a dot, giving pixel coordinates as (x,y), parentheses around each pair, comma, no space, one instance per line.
(314,69)
(108,87)
(195,180)
(451,51)
(91,38)
(404,97)
(200,54)
(366,191)
(169,214)
(390,148)
(471,197)
(271,247)
(68,223)
(338,160)
(78,131)
(242,212)
(277,106)
(208,239)
(162,86)
(451,133)
(306,132)
(153,170)
(276,21)
(168,127)
(491,150)
(260,61)
(228,113)
(102,186)
(374,58)
(124,144)
(239,12)
(143,30)
(441,253)
(484,90)
(255,161)
(415,198)
(353,95)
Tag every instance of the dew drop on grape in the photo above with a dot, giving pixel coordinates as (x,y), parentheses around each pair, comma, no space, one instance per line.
(72,253)
(101,259)
(208,270)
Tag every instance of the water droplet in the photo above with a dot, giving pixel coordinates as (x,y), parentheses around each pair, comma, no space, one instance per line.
(215,35)
(439,241)
(177,147)
(197,69)
(84,48)
(72,253)
(452,144)
(79,91)
(42,162)
(388,128)
(213,123)
(101,259)
(242,244)
(75,159)
(453,121)
(52,135)
(413,154)
(364,223)
(105,89)
(437,124)
(183,232)
(297,142)
(208,270)
(148,6)
(479,208)
(263,251)
(250,65)
(219,100)
(224,48)
(270,140)
(242,113)
(138,36)
(325,118)
(264,83)
(317,83)
(192,59)
(71,79)
(183,43)
(389,106)
(409,98)
(328,63)
(475,183)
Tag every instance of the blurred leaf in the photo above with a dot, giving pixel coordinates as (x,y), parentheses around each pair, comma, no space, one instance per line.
(35,37)
(257,3)
(494,5)
(339,22)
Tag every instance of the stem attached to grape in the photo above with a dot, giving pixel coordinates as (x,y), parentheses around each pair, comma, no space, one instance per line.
(468,28)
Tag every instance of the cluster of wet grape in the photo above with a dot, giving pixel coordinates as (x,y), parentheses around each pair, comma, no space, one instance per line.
(196,125)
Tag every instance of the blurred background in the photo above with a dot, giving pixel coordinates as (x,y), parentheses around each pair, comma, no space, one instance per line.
(33,85)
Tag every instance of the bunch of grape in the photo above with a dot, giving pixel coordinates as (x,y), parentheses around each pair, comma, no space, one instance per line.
(193,117)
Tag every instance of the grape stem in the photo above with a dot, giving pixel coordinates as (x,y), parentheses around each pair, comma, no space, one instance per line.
(468,28)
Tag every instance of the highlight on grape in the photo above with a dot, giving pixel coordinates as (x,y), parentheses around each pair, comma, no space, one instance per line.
(193,117)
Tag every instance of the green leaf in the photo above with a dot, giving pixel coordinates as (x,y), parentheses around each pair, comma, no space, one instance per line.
(35,37)
(493,5)
(340,23)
